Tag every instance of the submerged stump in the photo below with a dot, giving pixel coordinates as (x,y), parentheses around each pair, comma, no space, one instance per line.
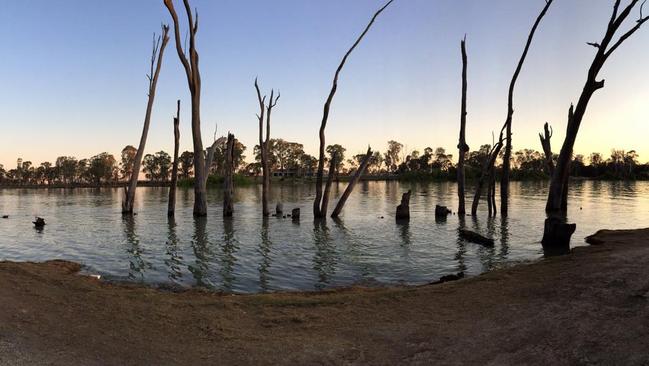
(556,236)
(403,210)
(476,238)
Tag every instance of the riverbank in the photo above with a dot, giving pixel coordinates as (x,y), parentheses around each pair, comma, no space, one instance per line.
(590,307)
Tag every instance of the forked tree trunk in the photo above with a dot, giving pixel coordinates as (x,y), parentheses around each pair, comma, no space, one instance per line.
(174,170)
(348,191)
(462,146)
(547,147)
(557,196)
(228,184)
(194,83)
(264,144)
(330,179)
(156,65)
(504,182)
(317,207)
(485,175)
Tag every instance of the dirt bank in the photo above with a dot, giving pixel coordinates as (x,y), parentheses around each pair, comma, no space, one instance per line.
(591,307)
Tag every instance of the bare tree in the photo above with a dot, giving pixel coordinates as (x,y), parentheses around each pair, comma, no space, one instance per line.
(265,110)
(605,48)
(318,212)
(330,178)
(462,146)
(174,170)
(350,187)
(547,147)
(504,182)
(194,82)
(159,45)
(228,185)
(487,175)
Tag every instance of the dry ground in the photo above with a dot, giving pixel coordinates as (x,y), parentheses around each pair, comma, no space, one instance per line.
(590,307)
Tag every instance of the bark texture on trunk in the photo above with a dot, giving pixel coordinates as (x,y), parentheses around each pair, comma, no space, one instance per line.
(318,201)
(348,191)
(462,146)
(558,194)
(265,110)
(547,147)
(159,46)
(504,182)
(228,184)
(171,209)
(194,83)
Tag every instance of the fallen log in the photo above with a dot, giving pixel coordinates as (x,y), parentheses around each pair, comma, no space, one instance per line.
(476,238)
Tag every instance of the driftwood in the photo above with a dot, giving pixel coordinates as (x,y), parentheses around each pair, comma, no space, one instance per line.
(504,181)
(462,146)
(194,83)
(228,184)
(403,210)
(547,147)
(5,216)
(159,45)
(449,278)
(350,187)
(476,238)
(556,236)
(265,111)
(318,202)
(171,209)
(557,197)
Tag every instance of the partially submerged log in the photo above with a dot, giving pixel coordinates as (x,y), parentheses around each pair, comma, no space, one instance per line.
(556,236)
(449,278)
(5,216)
(350,187)
(476,238)
(403,210)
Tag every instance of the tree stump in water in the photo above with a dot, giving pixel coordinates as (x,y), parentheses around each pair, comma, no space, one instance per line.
(556,236)
(295,214)
(403,210)
(279,209)
(441,212)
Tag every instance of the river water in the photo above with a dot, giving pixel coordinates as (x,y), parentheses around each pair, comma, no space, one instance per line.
(248,254)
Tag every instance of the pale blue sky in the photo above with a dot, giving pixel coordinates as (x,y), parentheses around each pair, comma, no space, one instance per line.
(72,74)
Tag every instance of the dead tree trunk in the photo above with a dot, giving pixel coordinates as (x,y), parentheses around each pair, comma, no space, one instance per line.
(357,176)
(265,110)
(504,182)
(318,202)
(330,179)
(194,82)
(462,146)
(547,147)
(486,173)
(228,184)
(159,46)
(174,170)
(557,197)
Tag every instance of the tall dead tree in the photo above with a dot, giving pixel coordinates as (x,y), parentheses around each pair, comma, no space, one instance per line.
(487,175)
(174,169)
(318,203)
(228,183)
(462,146)
(605,48)
(194,83)
(350,187)
(159,45)
(504,180)
(265,111)
(547,147)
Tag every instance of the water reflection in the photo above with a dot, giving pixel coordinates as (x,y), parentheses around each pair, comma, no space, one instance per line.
(137,264)
(174,260)
(325,258)
(265,248)
(461,245)
(228,254)
(202,253)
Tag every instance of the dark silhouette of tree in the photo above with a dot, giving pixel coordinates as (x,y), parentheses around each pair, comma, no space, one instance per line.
(318,203)
(463,148)
(265,111)
(186,164)
(156,64)
(171,208)
(350,187)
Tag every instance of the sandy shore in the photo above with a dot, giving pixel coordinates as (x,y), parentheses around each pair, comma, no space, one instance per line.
(590,307)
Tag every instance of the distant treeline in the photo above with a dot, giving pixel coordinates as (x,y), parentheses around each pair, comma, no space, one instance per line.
(288,159)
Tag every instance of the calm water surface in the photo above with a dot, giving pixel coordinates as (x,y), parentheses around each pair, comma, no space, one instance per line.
(249,254)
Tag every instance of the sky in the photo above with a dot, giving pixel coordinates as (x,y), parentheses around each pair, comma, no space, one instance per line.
(72,74)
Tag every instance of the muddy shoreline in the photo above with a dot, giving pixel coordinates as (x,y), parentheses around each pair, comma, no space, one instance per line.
(590,307)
